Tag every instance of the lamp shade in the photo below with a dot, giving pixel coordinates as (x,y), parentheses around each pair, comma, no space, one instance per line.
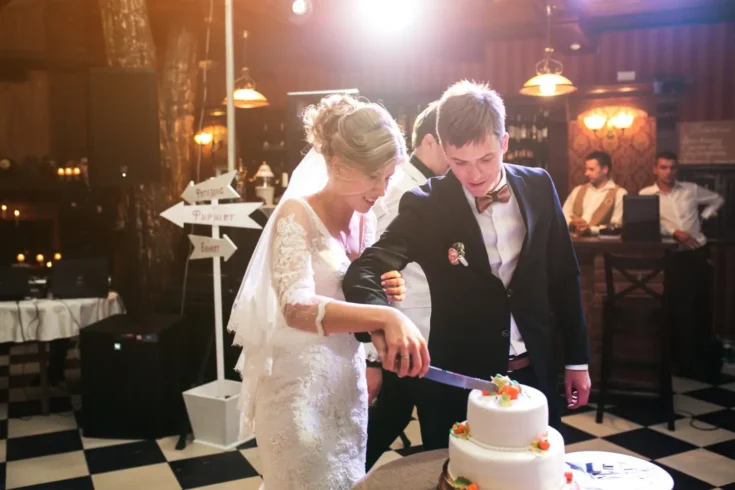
(249,98)
(245,96)
(548,85)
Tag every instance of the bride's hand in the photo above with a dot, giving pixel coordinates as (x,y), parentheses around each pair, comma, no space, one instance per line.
(406,352)
(394,285)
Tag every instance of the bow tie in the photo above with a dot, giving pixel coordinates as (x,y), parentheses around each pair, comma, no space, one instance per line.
(499,195)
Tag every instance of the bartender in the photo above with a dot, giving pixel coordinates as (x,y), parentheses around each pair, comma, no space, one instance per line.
(691,271)
(599,202)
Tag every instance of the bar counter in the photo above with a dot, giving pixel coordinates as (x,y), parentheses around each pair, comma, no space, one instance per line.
(590,253)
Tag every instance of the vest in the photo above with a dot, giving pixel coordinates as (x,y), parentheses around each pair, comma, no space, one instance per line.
(604,212)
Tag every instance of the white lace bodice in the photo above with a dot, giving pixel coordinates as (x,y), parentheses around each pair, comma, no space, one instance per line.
(311,409)
(307,265)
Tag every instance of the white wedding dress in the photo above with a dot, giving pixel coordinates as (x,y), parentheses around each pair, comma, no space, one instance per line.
(310,411)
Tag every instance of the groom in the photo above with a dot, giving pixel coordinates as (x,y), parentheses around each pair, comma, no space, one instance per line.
(494,245)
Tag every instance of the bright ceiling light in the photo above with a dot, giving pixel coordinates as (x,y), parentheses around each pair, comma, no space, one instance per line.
(388,15)
(301,11)
(300,7)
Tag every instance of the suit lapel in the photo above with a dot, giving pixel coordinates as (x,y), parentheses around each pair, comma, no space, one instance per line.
(465,228)
(523,197)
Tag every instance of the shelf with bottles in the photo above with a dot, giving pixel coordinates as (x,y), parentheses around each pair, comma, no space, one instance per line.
(528,130)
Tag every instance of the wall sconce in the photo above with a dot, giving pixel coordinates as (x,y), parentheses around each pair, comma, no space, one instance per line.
(203,138)
(215,134)
(611,119)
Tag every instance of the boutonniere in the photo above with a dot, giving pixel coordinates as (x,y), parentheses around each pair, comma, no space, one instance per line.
(456,254)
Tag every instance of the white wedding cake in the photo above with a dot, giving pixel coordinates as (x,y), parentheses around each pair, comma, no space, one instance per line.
(506,442)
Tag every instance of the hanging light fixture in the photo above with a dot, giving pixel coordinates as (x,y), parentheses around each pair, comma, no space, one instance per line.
(548,81)
(245,96)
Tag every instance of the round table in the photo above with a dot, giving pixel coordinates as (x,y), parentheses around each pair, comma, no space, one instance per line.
(44,320)
(421,472)
(618,471)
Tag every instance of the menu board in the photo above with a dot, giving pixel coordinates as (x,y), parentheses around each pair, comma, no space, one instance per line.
(707,142)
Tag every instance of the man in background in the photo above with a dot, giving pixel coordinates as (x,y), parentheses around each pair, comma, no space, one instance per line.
(396,397)
(691,281)
(599,202)
(679,203)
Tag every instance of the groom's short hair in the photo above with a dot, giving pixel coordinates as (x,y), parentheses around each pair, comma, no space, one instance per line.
(468,113)
(424,124)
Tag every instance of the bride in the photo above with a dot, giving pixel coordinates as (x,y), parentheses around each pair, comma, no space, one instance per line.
(304,392)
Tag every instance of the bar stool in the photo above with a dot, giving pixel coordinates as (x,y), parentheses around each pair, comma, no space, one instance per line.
(637,293)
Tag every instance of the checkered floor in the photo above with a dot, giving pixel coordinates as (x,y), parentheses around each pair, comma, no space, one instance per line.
(38,452)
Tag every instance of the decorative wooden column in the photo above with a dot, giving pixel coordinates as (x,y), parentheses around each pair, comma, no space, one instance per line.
(158,247)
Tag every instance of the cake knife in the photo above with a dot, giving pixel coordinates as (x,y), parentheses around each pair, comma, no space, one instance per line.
(460,380)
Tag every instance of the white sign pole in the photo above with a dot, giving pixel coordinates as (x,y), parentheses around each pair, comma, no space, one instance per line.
(218,334)
(230,79)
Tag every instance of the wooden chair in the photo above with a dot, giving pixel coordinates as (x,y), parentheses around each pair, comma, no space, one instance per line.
(637,293)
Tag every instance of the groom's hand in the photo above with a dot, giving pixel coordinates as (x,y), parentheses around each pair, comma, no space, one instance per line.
(394,285)
(578,385)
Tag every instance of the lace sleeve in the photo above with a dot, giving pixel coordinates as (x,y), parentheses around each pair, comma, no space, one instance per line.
(293,275)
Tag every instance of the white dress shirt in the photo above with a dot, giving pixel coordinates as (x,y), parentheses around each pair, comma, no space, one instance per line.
(679,209)
(417,304)
(503,231)
(593,198)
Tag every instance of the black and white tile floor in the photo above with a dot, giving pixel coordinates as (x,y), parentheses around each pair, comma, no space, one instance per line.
(49,452)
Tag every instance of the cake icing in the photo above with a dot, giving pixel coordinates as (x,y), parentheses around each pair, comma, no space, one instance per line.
(513,426)
(506,442)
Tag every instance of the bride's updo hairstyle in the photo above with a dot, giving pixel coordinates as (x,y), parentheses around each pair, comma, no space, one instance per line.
(363,136)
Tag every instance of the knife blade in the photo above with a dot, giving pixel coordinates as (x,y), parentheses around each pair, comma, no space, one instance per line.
(460,380)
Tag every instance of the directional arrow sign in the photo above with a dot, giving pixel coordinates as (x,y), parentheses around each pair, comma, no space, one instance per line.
(236,214)
(206,247)
(214,188)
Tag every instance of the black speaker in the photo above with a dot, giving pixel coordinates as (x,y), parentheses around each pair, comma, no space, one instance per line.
(124,131)
(133,376)
(296,144)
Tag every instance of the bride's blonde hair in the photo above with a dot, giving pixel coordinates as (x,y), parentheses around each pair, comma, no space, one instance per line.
(361,135)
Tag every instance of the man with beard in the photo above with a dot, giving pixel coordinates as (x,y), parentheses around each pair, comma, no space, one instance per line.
(599,202)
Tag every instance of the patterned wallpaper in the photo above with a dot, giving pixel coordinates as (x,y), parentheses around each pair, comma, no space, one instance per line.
(633,153)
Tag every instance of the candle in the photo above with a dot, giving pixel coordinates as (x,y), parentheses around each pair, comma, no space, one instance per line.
(49,264)
(16,213)
(4,208)
(39,258)
(57,256)
(20,258)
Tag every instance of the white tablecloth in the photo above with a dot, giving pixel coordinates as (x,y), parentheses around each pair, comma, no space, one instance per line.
(49,319)
(617,472)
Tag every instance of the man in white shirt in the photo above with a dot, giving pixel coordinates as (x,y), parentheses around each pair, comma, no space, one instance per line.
(679,203)
(396,397)
(599,202)
(690,271)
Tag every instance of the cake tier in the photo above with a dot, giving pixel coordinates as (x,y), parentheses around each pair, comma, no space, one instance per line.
(513,426)
(503,469)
